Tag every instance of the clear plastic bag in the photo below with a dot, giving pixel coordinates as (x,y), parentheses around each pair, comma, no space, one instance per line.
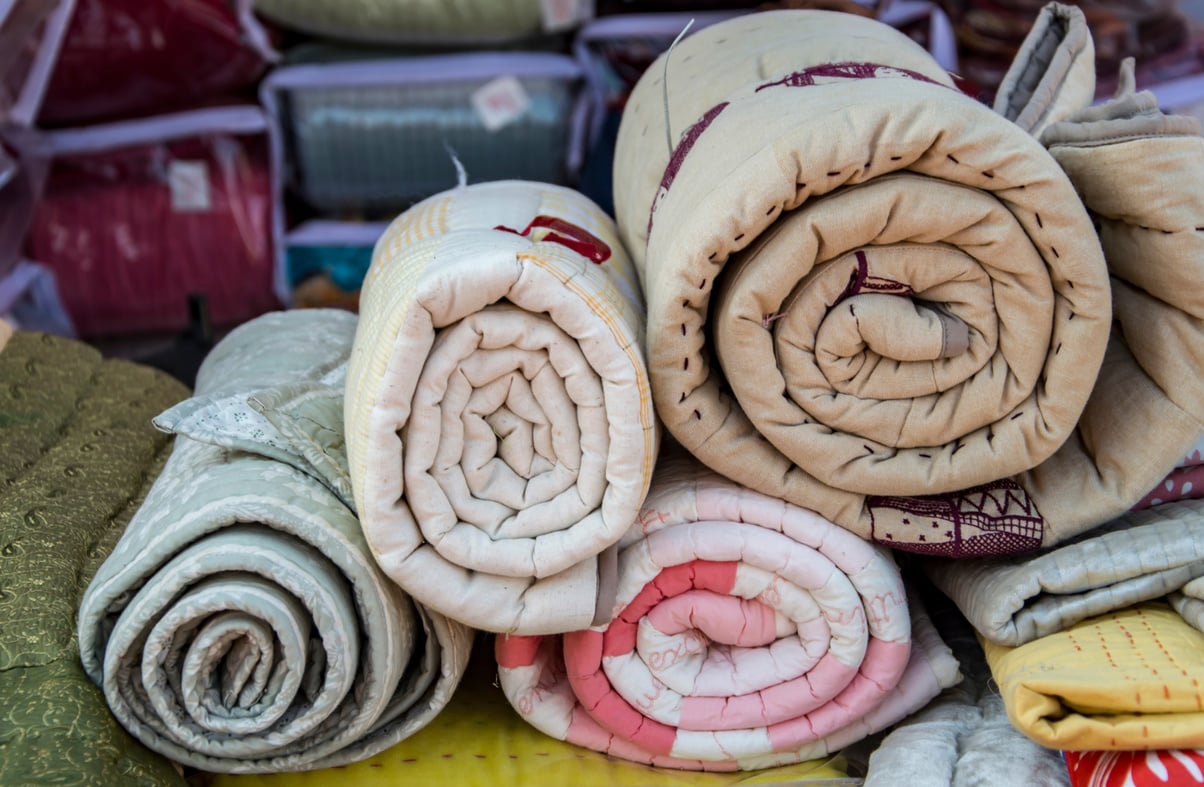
(120,58)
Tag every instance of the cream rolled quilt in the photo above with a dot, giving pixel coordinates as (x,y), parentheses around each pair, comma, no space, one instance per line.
(499,418)
(867,293)
(746,633)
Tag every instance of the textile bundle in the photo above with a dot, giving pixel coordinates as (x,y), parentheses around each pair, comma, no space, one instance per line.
(1138,171)
(874,297)
(240,624)
(746,632)
(1127,680)
(422,22)
(499,419)
(78,455)
(1137,557)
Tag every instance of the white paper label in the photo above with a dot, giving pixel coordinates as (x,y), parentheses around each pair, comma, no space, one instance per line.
(189,184)
(500,102)
(561,15)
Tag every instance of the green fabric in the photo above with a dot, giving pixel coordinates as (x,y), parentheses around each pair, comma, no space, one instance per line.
(77,453)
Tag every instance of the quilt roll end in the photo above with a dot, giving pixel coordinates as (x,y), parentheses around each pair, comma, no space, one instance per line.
(499,420)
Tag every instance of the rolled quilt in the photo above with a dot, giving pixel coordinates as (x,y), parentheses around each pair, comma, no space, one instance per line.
(240,624)
(77,454)
(1138,172)
(499,420)
(746,633)
(867,293)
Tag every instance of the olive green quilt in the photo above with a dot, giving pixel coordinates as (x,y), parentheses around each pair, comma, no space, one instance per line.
(77,453)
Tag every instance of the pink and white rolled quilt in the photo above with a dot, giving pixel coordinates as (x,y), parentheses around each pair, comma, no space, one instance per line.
(747,633)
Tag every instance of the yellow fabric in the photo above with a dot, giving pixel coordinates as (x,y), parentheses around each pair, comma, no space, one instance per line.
(1127,680)
(479,740)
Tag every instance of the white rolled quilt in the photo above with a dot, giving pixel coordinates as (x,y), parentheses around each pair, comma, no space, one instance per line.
(746,633)
(499,416)
(240,625)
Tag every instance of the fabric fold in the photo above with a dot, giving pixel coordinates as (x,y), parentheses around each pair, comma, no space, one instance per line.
(240,624)
(1124,681)
(746,633)
(499,422)
(1140,556)
(963,737)
(867,292)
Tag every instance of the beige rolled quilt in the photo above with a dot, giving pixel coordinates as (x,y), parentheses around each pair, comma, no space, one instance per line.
(498,413)
(868,293)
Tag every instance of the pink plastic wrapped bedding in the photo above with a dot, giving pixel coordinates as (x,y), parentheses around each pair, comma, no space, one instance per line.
(746,633)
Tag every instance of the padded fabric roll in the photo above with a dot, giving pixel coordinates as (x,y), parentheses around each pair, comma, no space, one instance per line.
(872,296)
(746,633)
(240,625)
(77,456)
(499,418)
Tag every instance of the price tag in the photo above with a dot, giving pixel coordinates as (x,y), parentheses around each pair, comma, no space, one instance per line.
(561,15)
(189,184)
(500,102)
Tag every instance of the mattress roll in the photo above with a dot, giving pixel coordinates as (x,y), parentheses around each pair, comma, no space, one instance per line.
(240,624)
(867,293)
(746,633)
(499,416)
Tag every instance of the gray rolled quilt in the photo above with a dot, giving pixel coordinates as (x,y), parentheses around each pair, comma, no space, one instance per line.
(240,624)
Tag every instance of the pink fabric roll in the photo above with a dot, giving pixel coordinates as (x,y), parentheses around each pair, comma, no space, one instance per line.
(747,633)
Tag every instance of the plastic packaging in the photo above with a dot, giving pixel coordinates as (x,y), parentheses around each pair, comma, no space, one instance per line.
(120,58)
(31,32)
(137,216)
(325,261)
(459,22)
(372,137)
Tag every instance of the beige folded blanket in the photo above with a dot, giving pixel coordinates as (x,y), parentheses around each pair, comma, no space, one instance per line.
(873,296)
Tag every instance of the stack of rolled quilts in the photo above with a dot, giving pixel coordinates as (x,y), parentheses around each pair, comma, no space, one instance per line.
(845,312)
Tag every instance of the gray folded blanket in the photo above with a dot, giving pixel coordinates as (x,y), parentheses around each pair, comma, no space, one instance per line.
(963,737)
(1138,556)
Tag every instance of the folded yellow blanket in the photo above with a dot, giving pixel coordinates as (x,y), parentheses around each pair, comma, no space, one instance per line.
(1127,680)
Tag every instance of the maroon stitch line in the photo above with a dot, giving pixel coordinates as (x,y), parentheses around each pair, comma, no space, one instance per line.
(680,152)
(843,70)
(860,281)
